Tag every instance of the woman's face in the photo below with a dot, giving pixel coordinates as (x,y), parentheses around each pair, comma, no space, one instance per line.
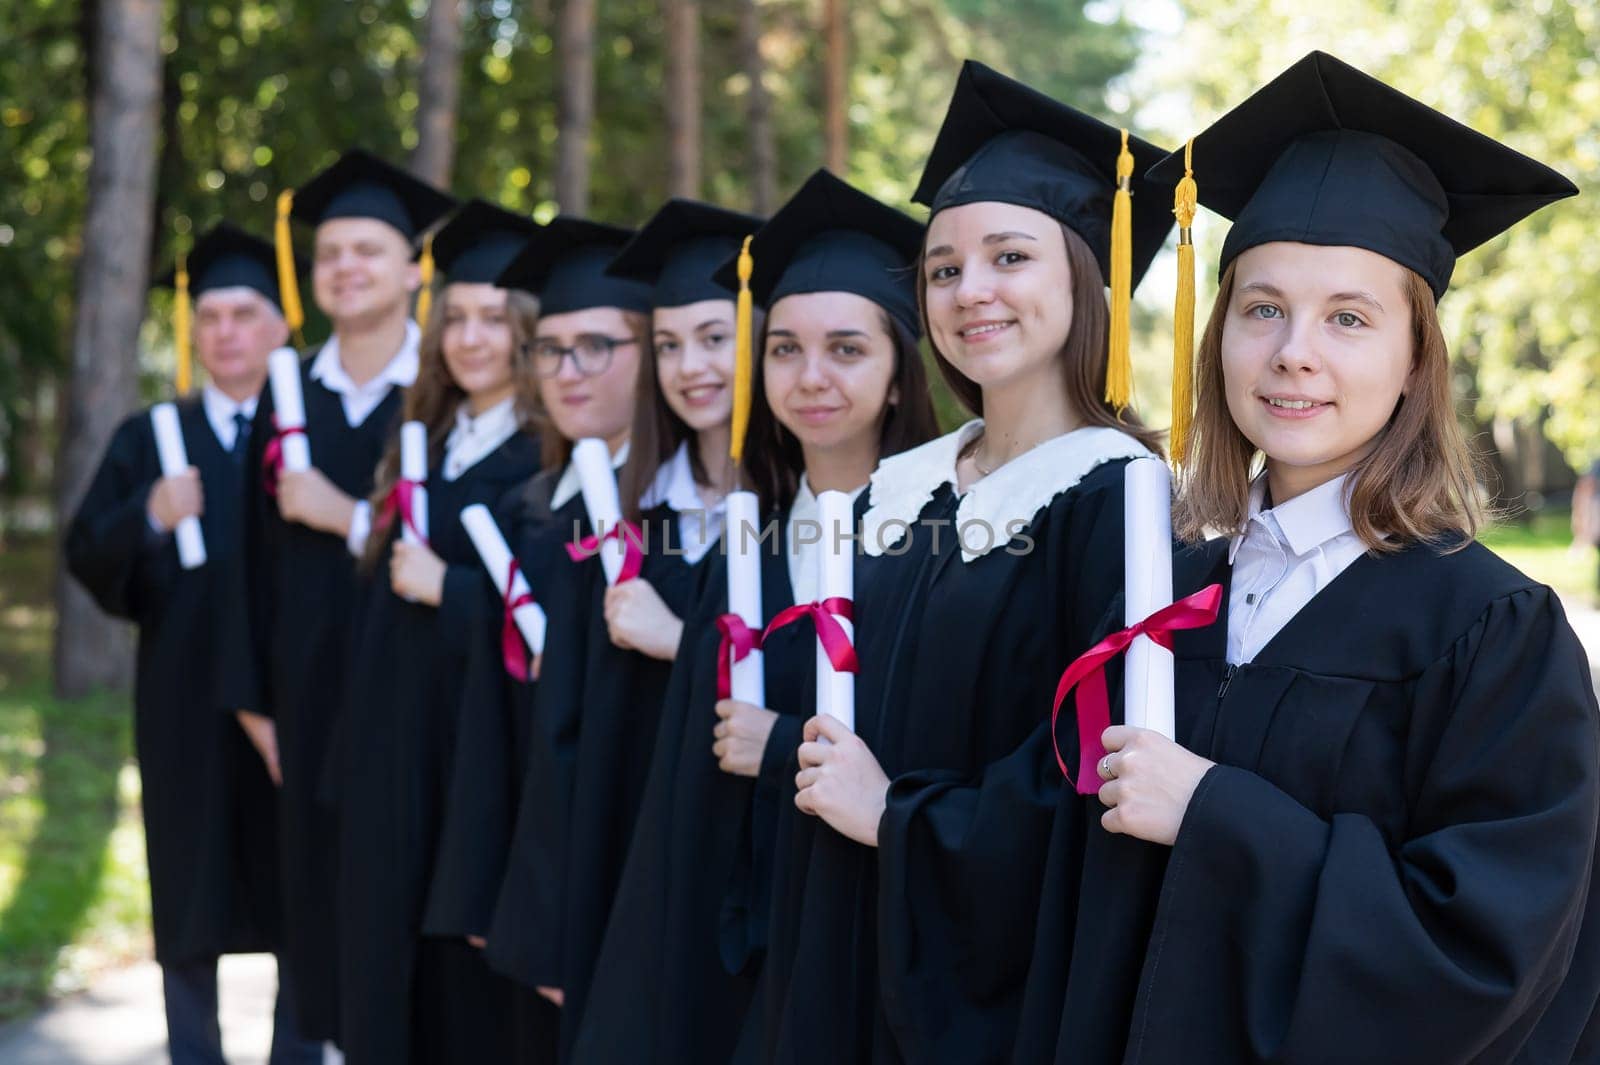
(594,399)
(477,342)
(998,292)
(828,369)
(694,361)
(1316,353)
(362,271)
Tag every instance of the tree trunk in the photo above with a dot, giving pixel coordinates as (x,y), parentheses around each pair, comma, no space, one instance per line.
(575,110)
(439,92)
(836,128)
(682,19)
(90,649)
(763,147)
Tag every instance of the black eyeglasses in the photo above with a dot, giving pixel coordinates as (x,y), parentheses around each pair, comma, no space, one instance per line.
(591,355)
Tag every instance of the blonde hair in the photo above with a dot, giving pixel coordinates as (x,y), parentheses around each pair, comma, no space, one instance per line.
(1418,484)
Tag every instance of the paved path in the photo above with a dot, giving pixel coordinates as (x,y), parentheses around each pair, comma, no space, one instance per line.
(119,1020)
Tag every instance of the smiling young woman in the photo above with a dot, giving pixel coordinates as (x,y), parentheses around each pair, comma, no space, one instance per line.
(1374,836)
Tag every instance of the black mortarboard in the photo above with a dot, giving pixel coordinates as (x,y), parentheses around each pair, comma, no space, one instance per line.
(564,264)
(1325,154)
(228,257)
(478,244)
(681,247)
(1004,142)
(831,237)
(360,185)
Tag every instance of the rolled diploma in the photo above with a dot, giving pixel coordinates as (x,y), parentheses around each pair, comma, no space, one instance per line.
(414,468)
(598,482)
(1147,561)
(496,555)
(744,589)
(174,458)
(836,691)
(283,373)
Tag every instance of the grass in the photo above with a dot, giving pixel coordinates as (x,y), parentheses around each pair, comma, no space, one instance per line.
(74,897)
(1539,543)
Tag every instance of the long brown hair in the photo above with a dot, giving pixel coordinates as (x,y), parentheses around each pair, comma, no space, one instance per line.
(434,398)
(1083,355)
(773,458)
(1418,484)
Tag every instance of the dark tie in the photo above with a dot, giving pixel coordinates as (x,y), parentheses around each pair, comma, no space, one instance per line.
(241,435)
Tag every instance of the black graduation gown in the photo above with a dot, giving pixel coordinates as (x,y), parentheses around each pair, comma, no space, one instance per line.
(917,950)
(286,656)
(1392,860)
(210,823)
(500,838)
(395,752)
(687,932)
(603,718)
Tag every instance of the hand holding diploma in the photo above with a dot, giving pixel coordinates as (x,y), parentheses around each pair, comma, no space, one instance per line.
(174,460)
(840,780)
(175,499)
(739,738)
(1147,781)
(416,573)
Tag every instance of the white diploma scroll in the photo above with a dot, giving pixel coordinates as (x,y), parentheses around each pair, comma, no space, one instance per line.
(289,407)
(836,691)
(414,468)
(1147,560)
(174,458)
(744,589)
(496,555)
(598,482)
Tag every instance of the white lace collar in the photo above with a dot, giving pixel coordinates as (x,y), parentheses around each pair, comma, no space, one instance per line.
(567,487)
(1003,503)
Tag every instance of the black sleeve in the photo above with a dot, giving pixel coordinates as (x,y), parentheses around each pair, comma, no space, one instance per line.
(110,538)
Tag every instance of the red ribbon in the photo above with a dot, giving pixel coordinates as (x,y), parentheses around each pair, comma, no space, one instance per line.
(632,548)
(512,651)
(834,639)
(401,498)
(272,457)
(738,640)
(1088,674)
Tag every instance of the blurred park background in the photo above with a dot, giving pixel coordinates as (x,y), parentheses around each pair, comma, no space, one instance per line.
(127,126)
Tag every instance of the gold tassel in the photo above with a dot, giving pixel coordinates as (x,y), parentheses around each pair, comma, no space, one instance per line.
(743,349)
(182,326)
(288,282)
(1119,364)
(1185,201)
(425,293)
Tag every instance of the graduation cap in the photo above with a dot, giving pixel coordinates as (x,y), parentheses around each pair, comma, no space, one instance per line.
(1326,154)
(478,244)
(224,257)
(564,264)
(1005,142)
(357,185)
(680,248)
(831,237)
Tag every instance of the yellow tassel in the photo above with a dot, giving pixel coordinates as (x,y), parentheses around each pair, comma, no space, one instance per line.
(288,282)
(425,293)
(181,326)
(1119,363)
(743,349)
(1185,201)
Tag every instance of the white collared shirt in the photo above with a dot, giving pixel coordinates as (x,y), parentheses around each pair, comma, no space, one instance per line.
(569,485)
(804,557)
(699,526)
(474,439)
(359,401)
(1284,557)
(220,409)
